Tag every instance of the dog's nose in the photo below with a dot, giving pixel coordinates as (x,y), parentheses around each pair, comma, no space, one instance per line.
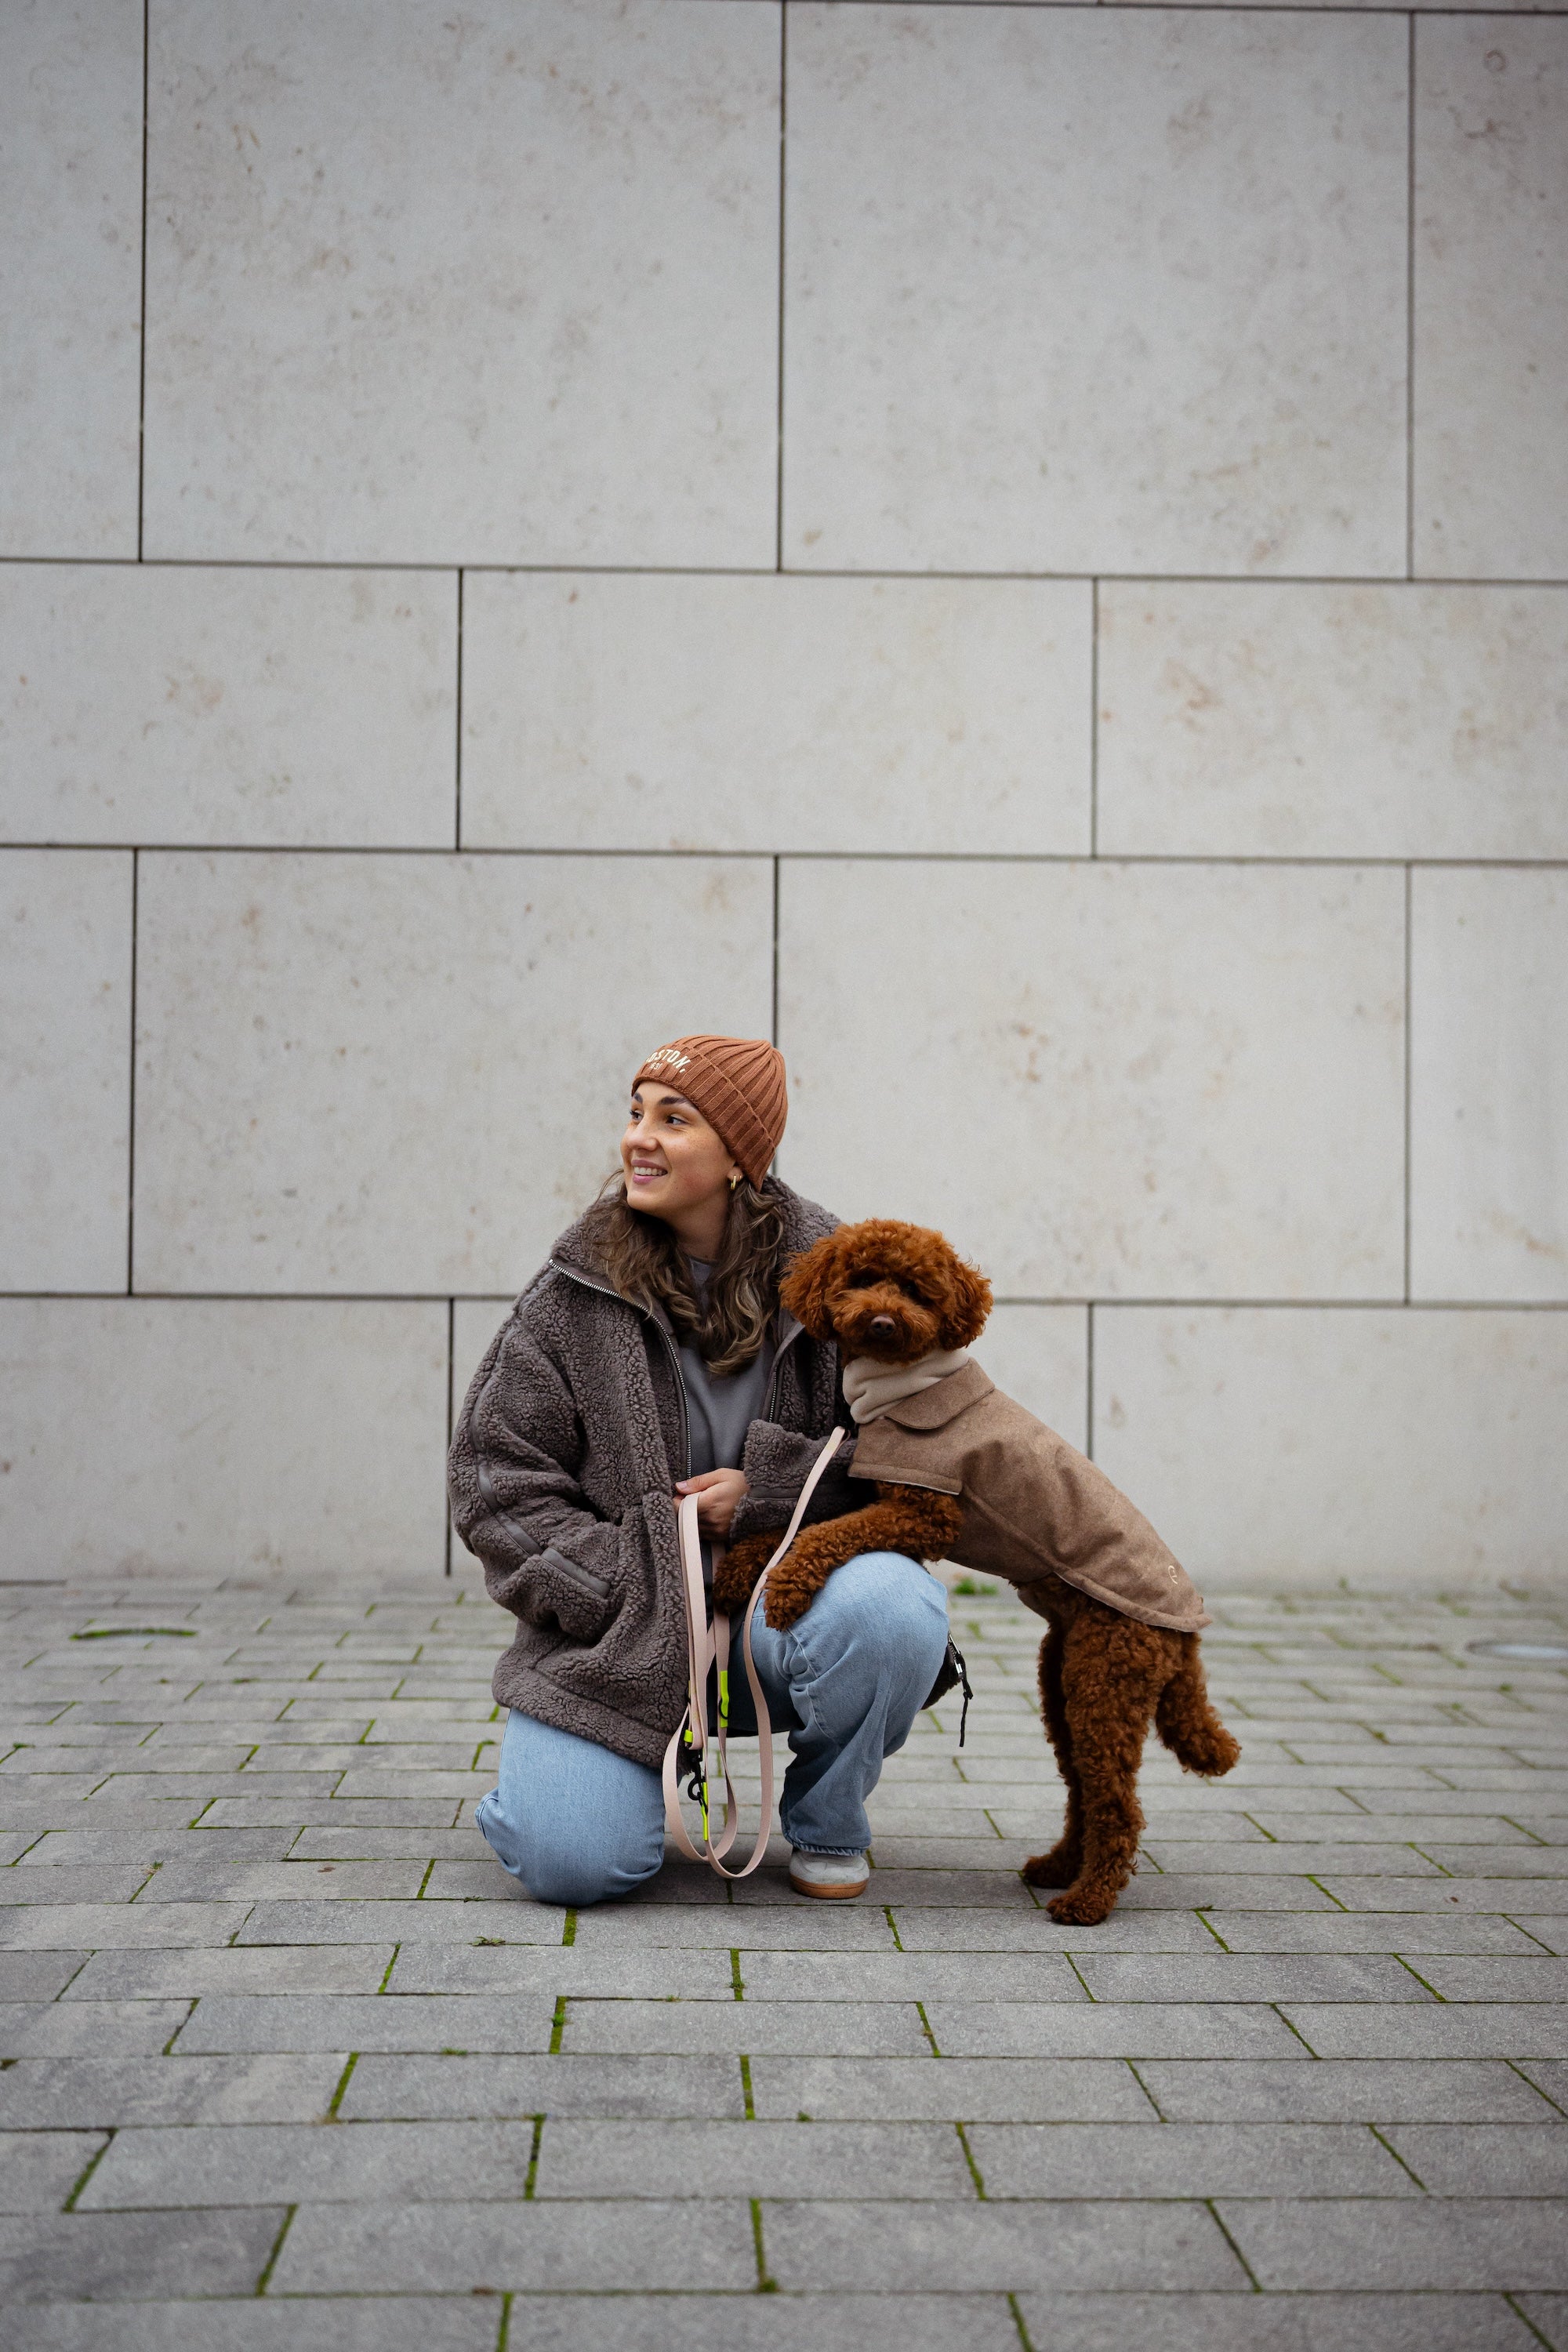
(881,1323)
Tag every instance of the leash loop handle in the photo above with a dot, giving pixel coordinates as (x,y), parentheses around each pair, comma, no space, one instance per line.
(709,1645)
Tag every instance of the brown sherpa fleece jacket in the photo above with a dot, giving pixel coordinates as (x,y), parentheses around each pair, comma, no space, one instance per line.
(562,1476)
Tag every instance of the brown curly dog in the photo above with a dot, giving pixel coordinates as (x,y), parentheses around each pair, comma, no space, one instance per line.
(896,1292)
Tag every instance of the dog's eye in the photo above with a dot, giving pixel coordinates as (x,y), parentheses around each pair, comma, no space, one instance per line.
(862,1282)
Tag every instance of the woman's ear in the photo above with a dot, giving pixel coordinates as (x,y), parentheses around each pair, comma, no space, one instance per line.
(805,1288)
(968,1306)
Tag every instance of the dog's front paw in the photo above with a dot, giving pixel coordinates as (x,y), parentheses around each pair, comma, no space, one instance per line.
(1080,1909)
(1057,1868)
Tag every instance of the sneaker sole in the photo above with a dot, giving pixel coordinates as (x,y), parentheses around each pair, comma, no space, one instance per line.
(829,1894)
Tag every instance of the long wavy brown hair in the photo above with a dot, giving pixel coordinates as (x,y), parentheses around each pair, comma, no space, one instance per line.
(646,1264)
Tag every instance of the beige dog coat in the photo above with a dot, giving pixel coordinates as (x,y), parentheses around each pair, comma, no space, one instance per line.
(1032,1506)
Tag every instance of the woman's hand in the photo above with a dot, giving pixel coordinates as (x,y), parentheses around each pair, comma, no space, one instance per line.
(718,1492)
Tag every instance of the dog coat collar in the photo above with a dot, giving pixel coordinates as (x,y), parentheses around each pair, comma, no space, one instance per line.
(871,1389)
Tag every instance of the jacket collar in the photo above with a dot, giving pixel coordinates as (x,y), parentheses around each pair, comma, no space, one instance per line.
(805,1222)
(932,1408)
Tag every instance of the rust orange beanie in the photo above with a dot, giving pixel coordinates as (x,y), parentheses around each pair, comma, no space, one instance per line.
(738,1085)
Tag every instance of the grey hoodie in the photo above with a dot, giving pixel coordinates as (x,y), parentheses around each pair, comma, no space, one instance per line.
(562,1476)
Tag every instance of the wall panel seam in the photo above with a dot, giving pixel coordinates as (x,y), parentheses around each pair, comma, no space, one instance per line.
(457,729)
(1409,888)
(142,338)
(1410,310)
(130,1087)
(1094,718)
(779,427)
(1323,863)
(1389,1304)
(772,572)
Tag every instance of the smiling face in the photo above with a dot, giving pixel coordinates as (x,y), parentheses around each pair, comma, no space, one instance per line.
(676,1165)
(891,1291)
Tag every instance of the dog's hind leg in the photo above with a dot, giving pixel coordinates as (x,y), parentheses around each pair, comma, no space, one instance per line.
(1186,1719)
(1062,1865)
(1111,1678)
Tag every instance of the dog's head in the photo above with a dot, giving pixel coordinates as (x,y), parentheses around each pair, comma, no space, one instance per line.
(892,1291)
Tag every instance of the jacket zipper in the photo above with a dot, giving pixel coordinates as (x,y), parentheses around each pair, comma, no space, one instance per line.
(605,1292)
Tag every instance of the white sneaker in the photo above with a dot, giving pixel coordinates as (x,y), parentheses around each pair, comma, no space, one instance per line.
(837,1877)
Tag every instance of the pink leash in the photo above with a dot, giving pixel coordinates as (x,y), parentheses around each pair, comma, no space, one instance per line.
(709,1645)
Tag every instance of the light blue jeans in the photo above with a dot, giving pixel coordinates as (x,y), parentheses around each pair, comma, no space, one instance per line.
(576,1822)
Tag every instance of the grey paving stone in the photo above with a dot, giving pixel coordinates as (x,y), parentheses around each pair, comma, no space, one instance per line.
(587,2246)
(1275,2323)
(1296,1859)
(367,2021)
(292,2164)
(774,2322)
(1520,1798)
(126,2029)
(866,2029)
(1502,2030)
(404,2324)
(690,1927)
(939,2248)
(921,1889)
(133,2257)
(1485,2159)
(38,1975)
(1172,2160)
(1514,1897)
(1179,1824)
(1220,1976)
(339,1922)
(1424,1830)
(384,1843)
(1378,2244)
(1182,1889)
(270,1969)
(334,1812)
(993,2090)
(1112,2030)
(1372,1931)
(1023,1931)
(909,1975)
(63,1884)
(1359,2090)
(1498,1980)
(969,1850)
(559,2086)
(585,2159)
(111,2091)
(553,1969)
(285,1882)
(1549,1928)
(38,2170)
(123,1844)
(1501,1860)
(116,1927)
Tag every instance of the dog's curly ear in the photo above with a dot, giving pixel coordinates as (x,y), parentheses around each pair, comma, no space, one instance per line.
(805,1288)
(967,1307)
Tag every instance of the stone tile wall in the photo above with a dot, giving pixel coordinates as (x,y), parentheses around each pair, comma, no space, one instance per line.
(1045,587)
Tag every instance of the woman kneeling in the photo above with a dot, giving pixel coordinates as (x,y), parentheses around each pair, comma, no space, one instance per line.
(649,1358)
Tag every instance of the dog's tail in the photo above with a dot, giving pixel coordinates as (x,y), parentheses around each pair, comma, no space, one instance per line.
(1186,1722)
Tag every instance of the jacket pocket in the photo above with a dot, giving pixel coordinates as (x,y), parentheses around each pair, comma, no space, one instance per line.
(579,1601)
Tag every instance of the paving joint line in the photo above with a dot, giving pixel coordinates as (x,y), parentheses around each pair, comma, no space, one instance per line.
(271,2263)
